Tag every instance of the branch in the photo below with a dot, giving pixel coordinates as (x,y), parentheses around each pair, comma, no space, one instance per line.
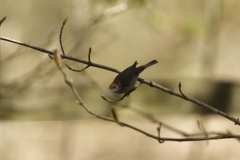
(235,120)
(69,82)
(58,59)
(150,83)
(151,118)
(63,56)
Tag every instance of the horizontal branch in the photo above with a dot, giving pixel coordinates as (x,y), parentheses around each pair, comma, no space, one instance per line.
(63,56)
(150,83)
(195,101)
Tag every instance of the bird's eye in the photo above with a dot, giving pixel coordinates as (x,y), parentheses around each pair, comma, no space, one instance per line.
(114,87)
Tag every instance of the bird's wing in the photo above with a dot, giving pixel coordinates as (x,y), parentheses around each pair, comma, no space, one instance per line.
(126,76)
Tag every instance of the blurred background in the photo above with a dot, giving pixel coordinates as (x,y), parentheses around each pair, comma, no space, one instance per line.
(195,42)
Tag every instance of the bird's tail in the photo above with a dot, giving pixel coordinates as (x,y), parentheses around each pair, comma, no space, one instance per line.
(138,70)
(150,63)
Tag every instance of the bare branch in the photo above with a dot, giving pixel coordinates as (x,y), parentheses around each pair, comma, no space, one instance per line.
(69,82)
(150,83)
(159,131)
(195,101)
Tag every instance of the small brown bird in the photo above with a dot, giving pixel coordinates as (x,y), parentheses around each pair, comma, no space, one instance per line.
(126,80)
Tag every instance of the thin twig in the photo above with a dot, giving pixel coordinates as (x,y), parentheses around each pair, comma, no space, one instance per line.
(180,89)
(76,70)
(89,60)
(60,37)
(159,131)
(89,55)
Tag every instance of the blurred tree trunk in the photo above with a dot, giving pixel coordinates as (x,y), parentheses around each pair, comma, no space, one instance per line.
(220,97)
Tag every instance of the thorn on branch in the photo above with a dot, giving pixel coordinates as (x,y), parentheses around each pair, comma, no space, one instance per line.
(151,84)
(2,20)
(89,55)
(237,122)
(160,140)
(179,86)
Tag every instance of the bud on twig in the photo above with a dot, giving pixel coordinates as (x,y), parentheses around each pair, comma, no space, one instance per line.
(57,58)
(3,19)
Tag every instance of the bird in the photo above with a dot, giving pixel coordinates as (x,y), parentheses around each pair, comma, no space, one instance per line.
(125,81)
